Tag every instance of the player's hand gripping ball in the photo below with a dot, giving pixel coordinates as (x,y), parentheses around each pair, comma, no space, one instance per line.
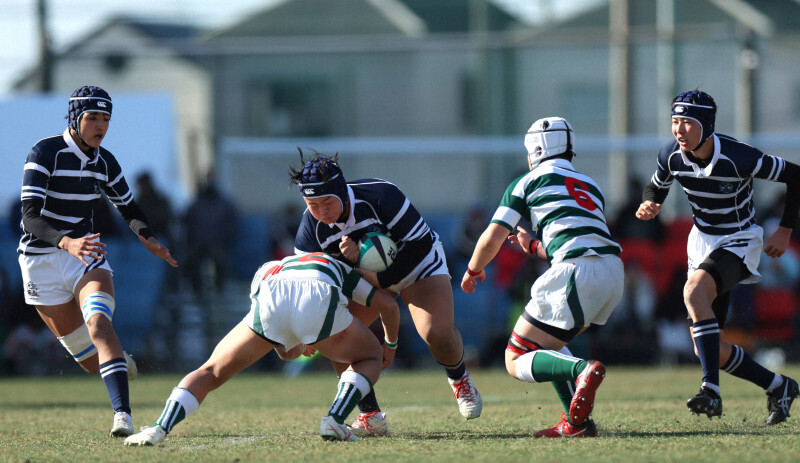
(377,252)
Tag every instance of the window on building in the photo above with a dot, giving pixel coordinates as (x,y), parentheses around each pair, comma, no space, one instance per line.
(289,109)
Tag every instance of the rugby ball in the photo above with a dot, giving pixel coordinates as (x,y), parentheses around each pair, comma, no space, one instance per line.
(377,252)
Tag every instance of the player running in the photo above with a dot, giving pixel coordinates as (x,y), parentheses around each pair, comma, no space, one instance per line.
(583,284)
(298,301)
(338,214)
(64,268)
(724,246)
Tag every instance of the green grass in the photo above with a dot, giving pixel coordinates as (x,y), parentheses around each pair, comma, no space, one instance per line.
(640,414)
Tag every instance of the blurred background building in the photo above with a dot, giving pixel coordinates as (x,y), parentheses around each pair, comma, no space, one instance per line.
(434,96)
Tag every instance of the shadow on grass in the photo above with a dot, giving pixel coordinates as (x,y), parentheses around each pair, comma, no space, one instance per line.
(724,431)
(52,405)
(459,435)
(422,436)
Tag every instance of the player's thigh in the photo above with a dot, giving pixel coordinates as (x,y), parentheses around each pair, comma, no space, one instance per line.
(354,344)
(95,280)
(365,314)
(699,292)
(530,333)
(62,319)
(239,349)
(537,335)
(430,302)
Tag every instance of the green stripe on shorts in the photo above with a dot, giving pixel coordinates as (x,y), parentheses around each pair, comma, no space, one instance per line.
(325,332)
(573,302)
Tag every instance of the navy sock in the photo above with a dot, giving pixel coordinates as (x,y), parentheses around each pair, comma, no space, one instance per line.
(743,366)
(706,339)
(457,371)
(368,403)
(115,376)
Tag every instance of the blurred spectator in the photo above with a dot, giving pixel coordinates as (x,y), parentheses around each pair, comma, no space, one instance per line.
(672,325)
(284,230)
(469,230)
(210,227)
(783,272)
(632,325)
(156,207)
(626,226)
(103,220)
(20,325)
(15,217)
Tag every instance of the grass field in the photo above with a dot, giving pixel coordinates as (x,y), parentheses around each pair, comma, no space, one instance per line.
(640,414)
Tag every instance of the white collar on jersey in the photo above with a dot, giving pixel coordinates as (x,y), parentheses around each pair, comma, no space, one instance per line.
(77,151)
(702,172)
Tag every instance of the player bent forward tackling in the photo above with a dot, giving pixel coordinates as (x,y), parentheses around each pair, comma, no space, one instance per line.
(298,301)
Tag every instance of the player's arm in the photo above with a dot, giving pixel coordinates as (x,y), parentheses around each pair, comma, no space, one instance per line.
(657,189)
(35,179)
(487,247)
(80,248)
(652,198)
(33,222)
(390,319)
(137,222)
(291,354)
(360,291)
(528,243)
(409,231)
(778,242)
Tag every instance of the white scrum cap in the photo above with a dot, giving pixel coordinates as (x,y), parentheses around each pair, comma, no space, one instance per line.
(548,137)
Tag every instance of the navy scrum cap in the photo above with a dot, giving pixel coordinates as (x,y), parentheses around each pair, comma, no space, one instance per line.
(698,106)
(87,99)
(322,176)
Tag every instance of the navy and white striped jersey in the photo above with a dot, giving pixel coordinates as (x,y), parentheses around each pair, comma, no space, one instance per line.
(375,206)
(721,193)
(69,182)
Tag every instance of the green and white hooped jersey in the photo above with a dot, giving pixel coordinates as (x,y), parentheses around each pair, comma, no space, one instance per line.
(316,266)
(565,208)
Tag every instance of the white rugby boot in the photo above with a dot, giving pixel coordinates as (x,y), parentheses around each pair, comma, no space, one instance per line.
(329,429)
(152,435)
(469,400)
(370,424)
(123,425)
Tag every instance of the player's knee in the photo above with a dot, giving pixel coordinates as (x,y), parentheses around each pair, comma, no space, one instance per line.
(520,348)
(510,365)
(210,375)
(79,344)
(442,338)
(699,292)
(512,354)
(98,303)
(98,310)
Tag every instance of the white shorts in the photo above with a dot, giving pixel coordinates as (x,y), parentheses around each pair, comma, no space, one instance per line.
(747,244)
(434,263)
(577,292)
(290,312)
(50,279)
